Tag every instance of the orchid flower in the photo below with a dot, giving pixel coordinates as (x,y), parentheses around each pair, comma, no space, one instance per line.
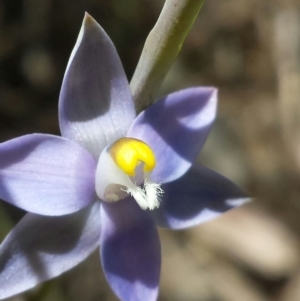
(110,179)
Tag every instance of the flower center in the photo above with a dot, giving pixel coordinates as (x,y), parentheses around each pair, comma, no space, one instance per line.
(128,153)
(125,167)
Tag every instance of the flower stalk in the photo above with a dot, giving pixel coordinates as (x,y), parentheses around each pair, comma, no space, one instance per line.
(161,48)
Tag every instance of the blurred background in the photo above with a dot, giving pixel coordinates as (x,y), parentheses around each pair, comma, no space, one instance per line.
(250,50)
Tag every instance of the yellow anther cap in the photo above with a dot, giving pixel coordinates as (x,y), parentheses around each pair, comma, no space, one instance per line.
(128,153)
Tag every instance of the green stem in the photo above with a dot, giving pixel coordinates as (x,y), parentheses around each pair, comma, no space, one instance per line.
(161,49)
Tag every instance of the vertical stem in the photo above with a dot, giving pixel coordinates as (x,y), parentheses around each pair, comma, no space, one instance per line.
(161,49)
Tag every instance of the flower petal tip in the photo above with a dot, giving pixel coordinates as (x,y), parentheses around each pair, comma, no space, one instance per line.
(213,93)
(88,20)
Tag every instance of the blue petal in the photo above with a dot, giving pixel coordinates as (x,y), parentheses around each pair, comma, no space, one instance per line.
(198,196)
(46,174)
(176,128)
(130,251)
(95,105)
(42,247)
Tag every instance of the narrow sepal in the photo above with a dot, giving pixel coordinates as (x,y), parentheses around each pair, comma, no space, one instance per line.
(95,105)
(176,128)
(199,196)
(46,174)
(130,251)
(42,247)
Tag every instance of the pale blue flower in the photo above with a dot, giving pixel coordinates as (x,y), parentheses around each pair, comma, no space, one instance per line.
(78,201)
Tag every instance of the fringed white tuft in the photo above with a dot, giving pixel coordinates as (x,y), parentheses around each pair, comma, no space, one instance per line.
(139,195)
(153,194)
(147,197)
